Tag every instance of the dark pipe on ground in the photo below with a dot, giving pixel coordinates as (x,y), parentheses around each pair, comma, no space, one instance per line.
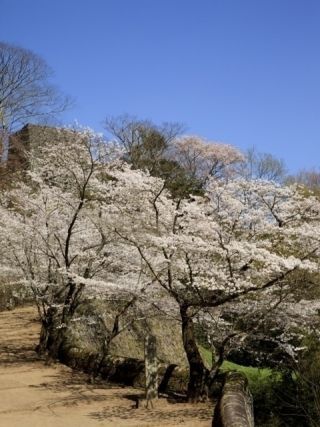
(234,408)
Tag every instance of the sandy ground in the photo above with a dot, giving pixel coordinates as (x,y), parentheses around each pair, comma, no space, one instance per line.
(35,394)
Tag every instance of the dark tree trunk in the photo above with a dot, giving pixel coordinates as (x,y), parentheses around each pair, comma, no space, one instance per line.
(198,372)
(52,336)
(69,302)
(47,337)
(43,341)
(219,361)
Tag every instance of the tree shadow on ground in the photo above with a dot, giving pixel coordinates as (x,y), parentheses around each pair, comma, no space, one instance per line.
(68,388)
(19,335)
(165,414)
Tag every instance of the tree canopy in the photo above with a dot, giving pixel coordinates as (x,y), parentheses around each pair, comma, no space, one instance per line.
(86,220)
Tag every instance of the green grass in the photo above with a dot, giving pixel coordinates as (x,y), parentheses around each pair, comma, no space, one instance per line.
(271,391)
(258,378)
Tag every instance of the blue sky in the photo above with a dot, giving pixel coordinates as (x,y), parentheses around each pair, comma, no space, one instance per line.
(245,72)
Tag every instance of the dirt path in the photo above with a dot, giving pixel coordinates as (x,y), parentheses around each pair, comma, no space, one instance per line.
(34,394)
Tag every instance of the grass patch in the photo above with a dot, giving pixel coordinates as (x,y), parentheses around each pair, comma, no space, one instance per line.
(266,385)
(258,378)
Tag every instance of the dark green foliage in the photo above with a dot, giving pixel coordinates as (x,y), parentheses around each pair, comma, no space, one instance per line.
(146,153)
(149,147)
(308,380)
(291,398)
(275,403)
(177,181)
(150,154)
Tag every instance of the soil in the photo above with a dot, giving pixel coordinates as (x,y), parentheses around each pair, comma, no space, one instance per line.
(35,393)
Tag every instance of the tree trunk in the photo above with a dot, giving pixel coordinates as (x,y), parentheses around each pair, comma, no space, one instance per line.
(43,341)
(54,323)
(47,337)
(198,372)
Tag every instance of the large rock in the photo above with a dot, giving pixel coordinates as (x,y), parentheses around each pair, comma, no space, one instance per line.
(88,333)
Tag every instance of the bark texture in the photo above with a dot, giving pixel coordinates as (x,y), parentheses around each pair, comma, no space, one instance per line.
(198,372)
(234,408)
(151,368)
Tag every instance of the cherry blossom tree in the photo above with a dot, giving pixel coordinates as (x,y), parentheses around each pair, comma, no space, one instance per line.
(85,220)
(202,159)
(50,225)
(267,332)
(183,162)
(244,238)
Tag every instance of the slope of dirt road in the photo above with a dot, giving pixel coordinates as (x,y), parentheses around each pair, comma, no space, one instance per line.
(33,394)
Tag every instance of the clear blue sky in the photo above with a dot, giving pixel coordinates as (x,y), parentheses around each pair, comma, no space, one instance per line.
(245,72)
